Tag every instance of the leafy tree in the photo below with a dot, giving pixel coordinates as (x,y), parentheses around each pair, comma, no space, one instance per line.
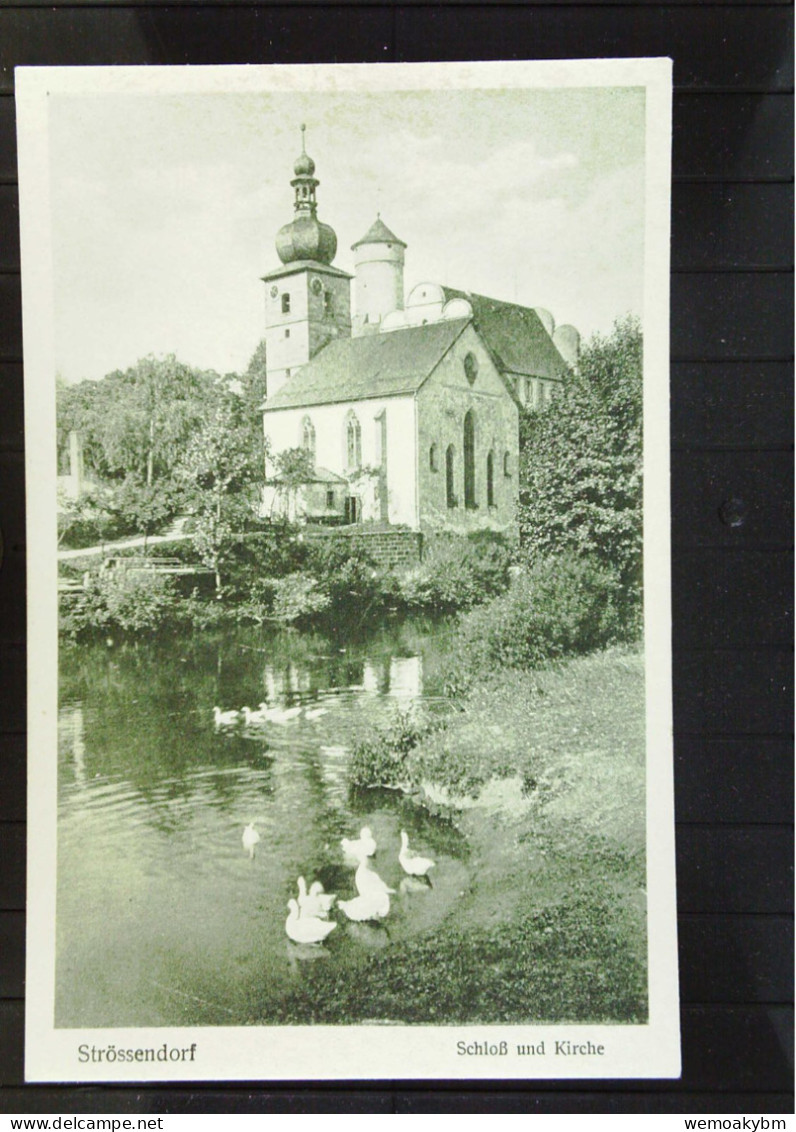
(135,423)
(219,474)
(581,461)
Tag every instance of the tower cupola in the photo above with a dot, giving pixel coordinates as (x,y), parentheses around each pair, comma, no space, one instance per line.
(305,237)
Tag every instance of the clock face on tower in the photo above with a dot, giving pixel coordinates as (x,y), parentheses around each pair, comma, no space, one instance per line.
(274,291)
(316,286)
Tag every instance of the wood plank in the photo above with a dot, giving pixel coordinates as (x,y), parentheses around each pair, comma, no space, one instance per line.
(12,875)
(732,315)
(743,959)
(12,950)
(12,688)
(732,404)
(166,35)
(733,692)
(733,136)
(9,228)
(10,318)
(13,776)
(746,869)
(12,418)
(739,500)
(734,226)
(733,780)
(561,32)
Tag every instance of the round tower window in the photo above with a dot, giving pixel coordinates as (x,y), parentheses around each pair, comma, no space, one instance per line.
(470,367)
(317,286)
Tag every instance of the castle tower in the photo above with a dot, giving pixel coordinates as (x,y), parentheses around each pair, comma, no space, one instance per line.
(379,280)
(307,300)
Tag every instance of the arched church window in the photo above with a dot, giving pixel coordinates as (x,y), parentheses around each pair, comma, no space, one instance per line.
(506,463)
(308,437)
(490,479)
(353,441)
(433,459)
(285,303)
(328,304)
(471,367)
(450,476)
(469,460)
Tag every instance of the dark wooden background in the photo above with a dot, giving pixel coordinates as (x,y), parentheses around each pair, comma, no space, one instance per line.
(732,460)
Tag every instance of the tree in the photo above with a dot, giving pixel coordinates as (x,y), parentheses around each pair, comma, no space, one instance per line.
(294,469)
(219,473)
(581,461)
(135,423)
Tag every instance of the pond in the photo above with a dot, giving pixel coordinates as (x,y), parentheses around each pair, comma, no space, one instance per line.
(163,917)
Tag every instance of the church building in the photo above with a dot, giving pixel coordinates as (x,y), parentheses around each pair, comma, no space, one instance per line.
(408,408)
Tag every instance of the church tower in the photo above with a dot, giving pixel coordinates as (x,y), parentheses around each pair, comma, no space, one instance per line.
(307,300)
(379,281)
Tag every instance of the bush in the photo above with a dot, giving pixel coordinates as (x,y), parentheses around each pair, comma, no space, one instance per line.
(458,573)
(297,596)
(382,759)
(557,607)
(131,600)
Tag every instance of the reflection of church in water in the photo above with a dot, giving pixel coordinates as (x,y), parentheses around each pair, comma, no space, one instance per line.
(397,677)
(409,410)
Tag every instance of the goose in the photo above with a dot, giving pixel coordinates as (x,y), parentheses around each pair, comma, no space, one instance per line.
(281,715)
(411,863)
(307,929)
(373,906)
(250,717)
(369,883)
(250,839)
(225,718)
(316,902)
(364,847)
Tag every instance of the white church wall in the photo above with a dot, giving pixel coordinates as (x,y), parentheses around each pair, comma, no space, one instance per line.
(284,429)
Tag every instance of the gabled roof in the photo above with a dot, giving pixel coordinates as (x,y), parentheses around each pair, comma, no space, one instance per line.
(375,365)
(514,334)
(378,233)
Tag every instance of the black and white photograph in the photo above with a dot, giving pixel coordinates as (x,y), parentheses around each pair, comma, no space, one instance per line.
(349,602)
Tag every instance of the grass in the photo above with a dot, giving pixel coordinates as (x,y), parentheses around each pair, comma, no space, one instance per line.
(544,774)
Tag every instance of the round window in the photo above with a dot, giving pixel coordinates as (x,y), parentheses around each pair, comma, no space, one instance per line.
(471,367)
(274,291)
(317,286)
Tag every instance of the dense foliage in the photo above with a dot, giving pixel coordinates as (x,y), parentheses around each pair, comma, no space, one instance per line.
(581,464)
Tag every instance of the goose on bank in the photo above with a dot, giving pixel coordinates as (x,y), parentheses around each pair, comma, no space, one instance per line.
(250,838)
(413,863)
(364,847)
(306,929)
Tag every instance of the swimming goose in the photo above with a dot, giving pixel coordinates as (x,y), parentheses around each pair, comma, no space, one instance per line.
(373,906)
(315,713)
(250,838)
(281,715)
(316,902)
(411,863)
(306,929)
(364,847)
(250,717)
(225,718)
(369,883)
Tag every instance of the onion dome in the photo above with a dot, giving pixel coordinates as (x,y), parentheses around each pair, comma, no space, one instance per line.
(305,237)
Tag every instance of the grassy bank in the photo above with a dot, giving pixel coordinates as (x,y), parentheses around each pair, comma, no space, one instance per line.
(552,926)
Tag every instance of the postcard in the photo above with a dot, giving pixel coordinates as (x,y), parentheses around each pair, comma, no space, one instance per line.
(350,730)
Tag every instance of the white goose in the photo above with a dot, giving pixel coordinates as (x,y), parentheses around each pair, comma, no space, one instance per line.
(281,715)
(412,863)
(306,929)
(315,713)
(371,906)
(364,847)
(369,883)
(225,718)
(316,902)
(250,717)
(250,839)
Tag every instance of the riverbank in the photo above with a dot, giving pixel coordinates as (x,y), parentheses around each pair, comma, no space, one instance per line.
(552,924)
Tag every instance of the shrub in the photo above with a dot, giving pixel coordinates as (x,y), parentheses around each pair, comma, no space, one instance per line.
(131,600)
(458,572)
(557,607)
(297,596)
(382,759)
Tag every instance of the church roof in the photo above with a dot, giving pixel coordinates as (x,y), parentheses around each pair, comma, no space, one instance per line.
(378,233)
(375,365)
(515,335)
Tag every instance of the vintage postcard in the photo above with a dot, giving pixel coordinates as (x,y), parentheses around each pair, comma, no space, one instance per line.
(348,527)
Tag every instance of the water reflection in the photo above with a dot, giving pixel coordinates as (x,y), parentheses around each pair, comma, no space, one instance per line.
(163,918)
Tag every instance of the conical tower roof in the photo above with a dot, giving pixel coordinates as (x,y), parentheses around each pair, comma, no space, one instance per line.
(378,233)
